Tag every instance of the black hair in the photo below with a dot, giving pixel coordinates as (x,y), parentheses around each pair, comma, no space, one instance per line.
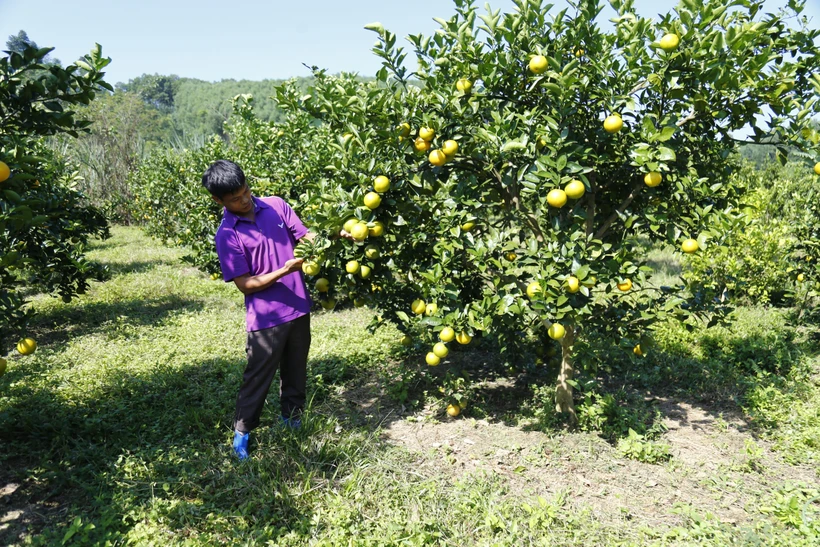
(223,177)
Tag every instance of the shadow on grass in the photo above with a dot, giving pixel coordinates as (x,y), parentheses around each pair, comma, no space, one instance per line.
(154,448)
(138,266)
(63,323)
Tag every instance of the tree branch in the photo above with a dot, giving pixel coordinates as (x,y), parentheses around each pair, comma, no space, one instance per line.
(593,188)
(619,211)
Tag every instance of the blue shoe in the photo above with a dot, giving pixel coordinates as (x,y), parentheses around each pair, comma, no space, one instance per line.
(292,423)
(240,444)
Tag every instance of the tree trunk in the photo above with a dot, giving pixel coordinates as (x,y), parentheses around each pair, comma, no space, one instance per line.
(563,391)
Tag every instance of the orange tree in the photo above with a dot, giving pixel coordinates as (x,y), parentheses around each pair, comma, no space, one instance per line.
(44,222)
(508,187)
(534,154)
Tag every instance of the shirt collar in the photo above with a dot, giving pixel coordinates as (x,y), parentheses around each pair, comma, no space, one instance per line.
(232,219)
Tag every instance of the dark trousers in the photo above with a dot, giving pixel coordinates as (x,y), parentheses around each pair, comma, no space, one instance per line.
(284,347)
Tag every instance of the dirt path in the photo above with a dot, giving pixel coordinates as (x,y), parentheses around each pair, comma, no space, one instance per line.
(716,467)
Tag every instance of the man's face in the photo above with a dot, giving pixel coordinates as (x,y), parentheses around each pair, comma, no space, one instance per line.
(239,202)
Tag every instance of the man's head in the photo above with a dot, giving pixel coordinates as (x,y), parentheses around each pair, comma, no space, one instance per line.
(226,183)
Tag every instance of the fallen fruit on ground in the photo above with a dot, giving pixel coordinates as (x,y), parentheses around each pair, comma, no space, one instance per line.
(26,346)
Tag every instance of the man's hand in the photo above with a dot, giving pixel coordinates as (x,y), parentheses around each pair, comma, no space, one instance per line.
(346,235)
(293,265)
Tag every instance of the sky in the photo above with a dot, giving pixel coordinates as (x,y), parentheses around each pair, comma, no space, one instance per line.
(242,39)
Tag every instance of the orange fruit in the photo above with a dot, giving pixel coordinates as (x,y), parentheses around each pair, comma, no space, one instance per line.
(450,147)
(447,334)
(372,200)
(625,285)
(652,179)
(359,231)
(689,246)
(575,189)
(670,42)
(613,123)
(421,145)
(538,64)
(381,184)
(441,350)
(26,346)
(377,229)
(463,338)
(437,158)
(464,85)
(556,331)
(557,198)
(418,306)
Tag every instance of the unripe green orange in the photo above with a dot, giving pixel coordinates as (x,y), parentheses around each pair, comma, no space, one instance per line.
(372,252)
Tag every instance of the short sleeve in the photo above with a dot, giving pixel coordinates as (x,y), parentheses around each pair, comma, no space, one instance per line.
(231,256)
(290,217)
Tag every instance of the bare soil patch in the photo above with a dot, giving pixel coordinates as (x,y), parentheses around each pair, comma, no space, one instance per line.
(717,465)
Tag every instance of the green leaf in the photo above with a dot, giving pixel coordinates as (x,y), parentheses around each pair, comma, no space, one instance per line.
(666,154)
(375,27)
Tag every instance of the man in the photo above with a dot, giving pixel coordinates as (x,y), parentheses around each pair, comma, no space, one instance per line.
(255,244)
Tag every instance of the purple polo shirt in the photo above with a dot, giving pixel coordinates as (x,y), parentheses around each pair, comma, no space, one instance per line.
(260,247)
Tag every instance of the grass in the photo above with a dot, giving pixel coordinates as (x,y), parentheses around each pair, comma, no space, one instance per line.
(117,432)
